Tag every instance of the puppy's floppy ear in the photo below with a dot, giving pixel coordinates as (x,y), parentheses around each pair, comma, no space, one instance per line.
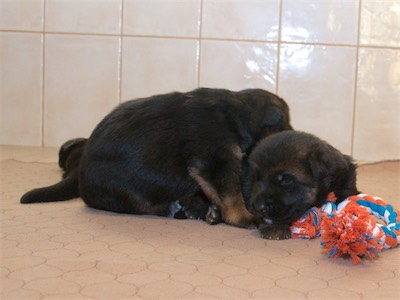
(320,161)
(345,183)
(332,172)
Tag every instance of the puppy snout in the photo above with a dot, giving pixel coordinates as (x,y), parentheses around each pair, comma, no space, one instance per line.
(264,207)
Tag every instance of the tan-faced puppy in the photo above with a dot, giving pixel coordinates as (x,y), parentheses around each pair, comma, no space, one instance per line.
(290,172)
(148,153)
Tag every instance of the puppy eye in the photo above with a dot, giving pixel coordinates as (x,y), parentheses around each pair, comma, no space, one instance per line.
(285,180)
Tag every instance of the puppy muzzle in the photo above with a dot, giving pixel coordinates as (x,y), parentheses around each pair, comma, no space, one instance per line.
(270,214)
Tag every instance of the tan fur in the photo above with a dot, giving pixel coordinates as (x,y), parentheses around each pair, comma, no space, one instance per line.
(234,212)
(237,152)
(206,187)
(232,206)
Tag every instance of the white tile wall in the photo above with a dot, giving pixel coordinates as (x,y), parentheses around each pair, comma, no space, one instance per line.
(65,64)
(173,18)
(380,23)
(21,15)
(237,65)
(241,20)
(320,21)
(320,95)
(81,84)
(84,16)
(377,120)
(21,88)
(154,65)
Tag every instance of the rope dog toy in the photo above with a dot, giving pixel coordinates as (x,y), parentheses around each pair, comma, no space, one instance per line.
(350,228)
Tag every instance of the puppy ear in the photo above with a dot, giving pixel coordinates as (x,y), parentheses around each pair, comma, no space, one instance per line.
(332,172)
(320,161)
(345,185)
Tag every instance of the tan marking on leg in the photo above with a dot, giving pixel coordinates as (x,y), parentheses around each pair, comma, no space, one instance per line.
(232,207)
(206,187)
(237,152)
(235,212)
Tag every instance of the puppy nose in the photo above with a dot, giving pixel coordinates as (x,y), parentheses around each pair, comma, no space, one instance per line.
(264,206)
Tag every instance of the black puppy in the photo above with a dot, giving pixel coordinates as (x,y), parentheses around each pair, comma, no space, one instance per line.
(148,153)
(290,172)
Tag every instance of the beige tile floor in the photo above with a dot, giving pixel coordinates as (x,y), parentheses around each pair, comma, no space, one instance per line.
(67,251)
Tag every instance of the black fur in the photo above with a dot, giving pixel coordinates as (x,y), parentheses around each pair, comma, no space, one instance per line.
(148,153)
(290,172)
(69,156)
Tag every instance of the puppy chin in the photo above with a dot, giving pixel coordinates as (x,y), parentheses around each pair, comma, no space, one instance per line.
(279,229)
(268,221)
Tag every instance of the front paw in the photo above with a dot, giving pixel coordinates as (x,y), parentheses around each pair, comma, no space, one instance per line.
(213,215)
(275,231)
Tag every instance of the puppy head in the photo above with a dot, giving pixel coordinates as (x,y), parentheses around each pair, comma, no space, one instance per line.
(290,172)
(261,114)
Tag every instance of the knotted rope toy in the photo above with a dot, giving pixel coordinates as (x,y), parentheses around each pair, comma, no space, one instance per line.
(350,228)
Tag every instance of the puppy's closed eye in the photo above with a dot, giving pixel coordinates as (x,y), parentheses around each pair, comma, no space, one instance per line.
(286,180)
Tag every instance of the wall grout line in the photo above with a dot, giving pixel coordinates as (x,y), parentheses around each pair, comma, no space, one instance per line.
(43,104)
(207,39)
(121,49)
(278,52)
(353,125)
(199,41)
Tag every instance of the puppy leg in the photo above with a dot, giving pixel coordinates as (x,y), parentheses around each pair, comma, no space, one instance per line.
(231,205)
(234,212)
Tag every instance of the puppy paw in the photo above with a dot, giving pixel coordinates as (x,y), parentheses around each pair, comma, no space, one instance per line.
(194,215)
(194,207)
(275,231)
(181,215)
(176,211)
(213,215)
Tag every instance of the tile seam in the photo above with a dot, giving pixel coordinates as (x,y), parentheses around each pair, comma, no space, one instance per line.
(43,102)
(278,51)
(205,39)
(354,114)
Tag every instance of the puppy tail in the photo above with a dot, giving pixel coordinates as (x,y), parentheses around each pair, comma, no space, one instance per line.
(68,188)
